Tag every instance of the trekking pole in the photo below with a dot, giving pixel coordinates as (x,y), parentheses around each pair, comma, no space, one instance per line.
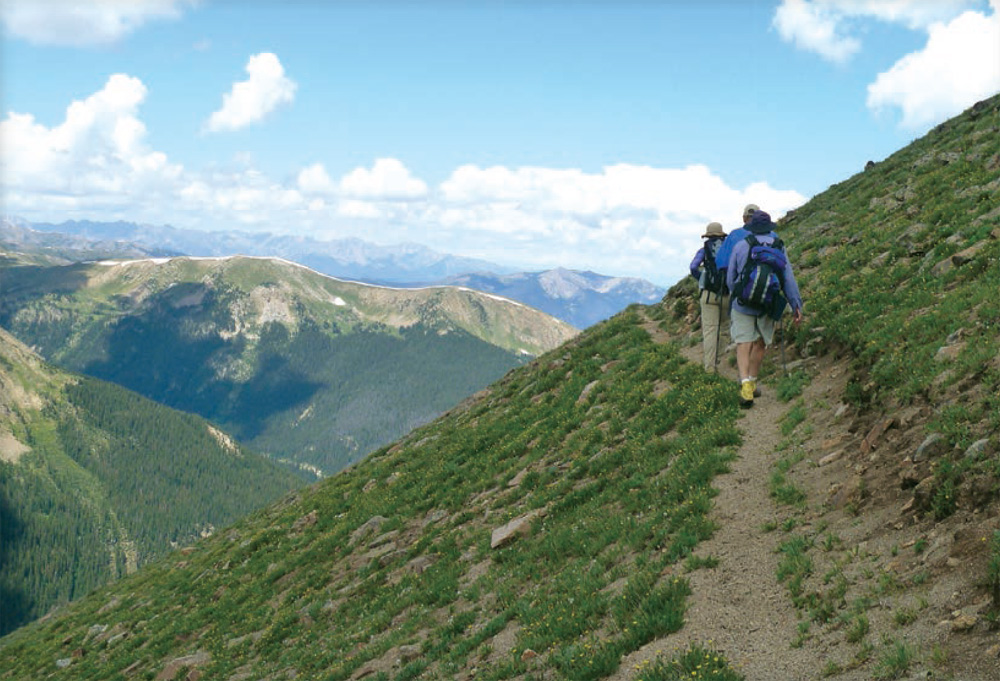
(781,328)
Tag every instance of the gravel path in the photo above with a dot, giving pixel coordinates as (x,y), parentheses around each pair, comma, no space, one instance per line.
(739,608)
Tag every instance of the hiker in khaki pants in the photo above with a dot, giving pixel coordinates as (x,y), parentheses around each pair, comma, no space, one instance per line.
(712,295)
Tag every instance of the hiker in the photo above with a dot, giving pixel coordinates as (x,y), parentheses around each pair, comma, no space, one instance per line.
(759,294)
(726,250)
(713,296)
(738,234)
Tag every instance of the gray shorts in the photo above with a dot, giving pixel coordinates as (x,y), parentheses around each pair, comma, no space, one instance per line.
(745,328)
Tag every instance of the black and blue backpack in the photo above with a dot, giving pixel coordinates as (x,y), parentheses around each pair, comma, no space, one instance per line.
(714,279)
(760,283)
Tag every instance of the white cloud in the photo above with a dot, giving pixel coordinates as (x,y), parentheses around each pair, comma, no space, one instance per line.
(98,151)
(913,14)
(351,208)
(825,26)
(959,65)
(627,219)
(75,23)
(623,220)
(812,26)
(315,180)
(252,99)
(388,179)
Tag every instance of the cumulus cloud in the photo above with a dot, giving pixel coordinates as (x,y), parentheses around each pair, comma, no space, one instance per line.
(388,179)
(97,154)
(74,23)
(315,180)
(959,65)
(827,27)
(812,26)
(626,219)
(252,99)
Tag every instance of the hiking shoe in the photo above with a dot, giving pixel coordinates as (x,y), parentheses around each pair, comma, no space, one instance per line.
(746,394)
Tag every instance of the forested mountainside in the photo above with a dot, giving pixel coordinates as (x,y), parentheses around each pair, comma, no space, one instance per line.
(96,481)
(554,526)
(292,363)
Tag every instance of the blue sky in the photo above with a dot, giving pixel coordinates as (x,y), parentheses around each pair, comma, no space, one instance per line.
(583,134)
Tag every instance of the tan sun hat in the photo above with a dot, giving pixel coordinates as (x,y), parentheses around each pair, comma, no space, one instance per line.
(749,209)
(713,229)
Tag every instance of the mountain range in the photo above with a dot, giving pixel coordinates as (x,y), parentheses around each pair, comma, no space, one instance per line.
(579,298)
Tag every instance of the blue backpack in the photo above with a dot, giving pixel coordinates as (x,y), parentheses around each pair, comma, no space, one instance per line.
(760,283)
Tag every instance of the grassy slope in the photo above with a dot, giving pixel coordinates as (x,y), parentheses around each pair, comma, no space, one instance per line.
(619,473)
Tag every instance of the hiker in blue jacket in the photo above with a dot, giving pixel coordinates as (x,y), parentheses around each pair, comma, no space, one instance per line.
(738,234)
(713,297)
(752,329)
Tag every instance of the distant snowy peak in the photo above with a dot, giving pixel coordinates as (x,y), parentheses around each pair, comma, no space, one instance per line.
(580,298)
(566,284)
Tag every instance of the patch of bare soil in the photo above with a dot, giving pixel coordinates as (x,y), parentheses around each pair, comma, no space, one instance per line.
(11,449)
(890,576)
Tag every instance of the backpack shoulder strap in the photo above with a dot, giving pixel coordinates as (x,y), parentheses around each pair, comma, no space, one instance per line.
(752,240)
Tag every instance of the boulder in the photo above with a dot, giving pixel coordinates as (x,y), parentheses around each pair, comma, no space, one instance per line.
(934,446)
(517,527)
(371,525)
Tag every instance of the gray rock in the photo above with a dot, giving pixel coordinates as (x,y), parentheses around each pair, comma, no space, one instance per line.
(371,525)
(977,449)
(934,446)
(512,530)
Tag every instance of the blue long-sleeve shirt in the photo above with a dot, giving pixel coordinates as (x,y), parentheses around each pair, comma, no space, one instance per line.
(741,250)
(725,251)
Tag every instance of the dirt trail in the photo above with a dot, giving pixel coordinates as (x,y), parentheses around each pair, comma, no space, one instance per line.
(739,608)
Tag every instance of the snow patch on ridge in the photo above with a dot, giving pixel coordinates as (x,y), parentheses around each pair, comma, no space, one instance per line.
(218,258)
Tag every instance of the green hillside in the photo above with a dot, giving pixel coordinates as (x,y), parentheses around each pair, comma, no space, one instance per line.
(554,526)
(96,481)
(294,364)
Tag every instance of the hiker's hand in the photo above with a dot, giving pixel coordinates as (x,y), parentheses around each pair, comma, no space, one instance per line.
(798,315)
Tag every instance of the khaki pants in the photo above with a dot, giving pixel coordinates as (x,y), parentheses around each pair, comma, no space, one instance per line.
(714,310)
